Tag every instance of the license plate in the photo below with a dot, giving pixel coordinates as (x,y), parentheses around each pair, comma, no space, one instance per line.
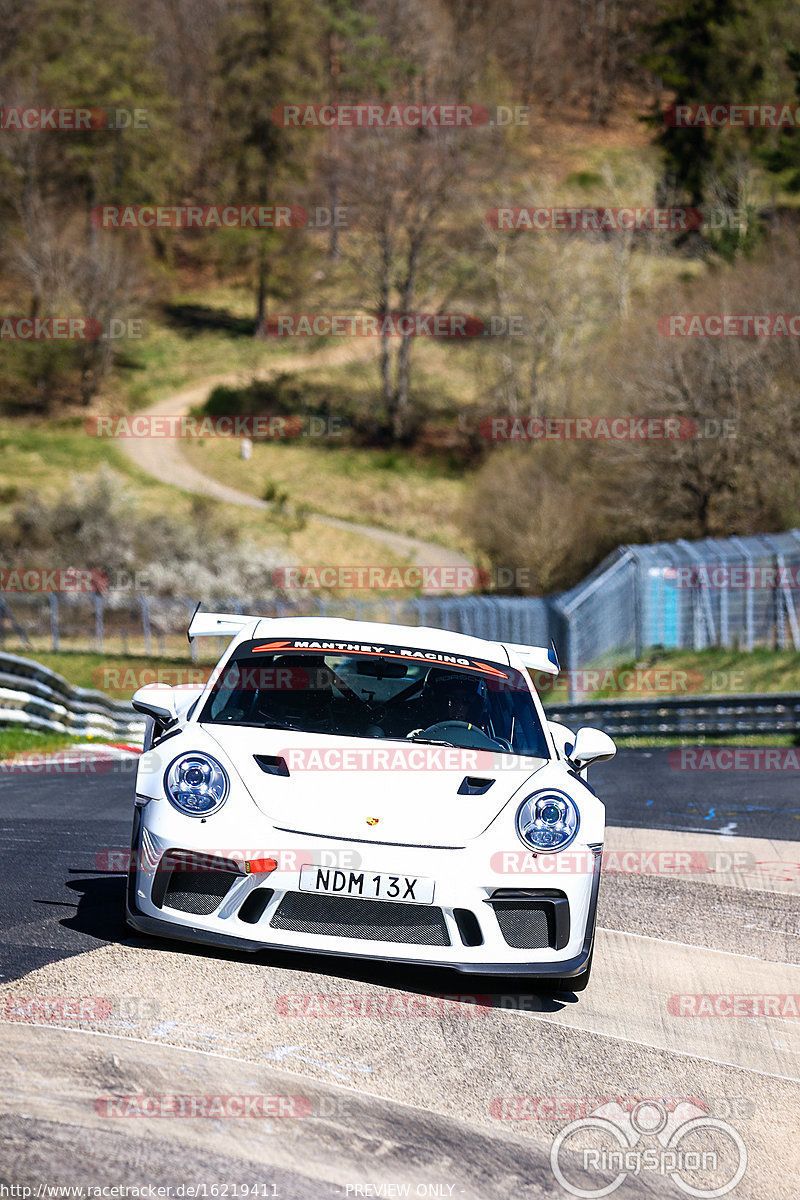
(409,889)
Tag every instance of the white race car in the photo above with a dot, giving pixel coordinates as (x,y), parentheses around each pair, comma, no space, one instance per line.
(378,791)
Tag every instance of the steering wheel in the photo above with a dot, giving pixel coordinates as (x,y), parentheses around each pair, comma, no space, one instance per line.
(469,736)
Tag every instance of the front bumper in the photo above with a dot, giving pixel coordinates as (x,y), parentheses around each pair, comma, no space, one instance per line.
(456,893)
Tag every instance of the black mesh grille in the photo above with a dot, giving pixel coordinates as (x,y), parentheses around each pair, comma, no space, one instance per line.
(522,925)
(198,892)
(373,920)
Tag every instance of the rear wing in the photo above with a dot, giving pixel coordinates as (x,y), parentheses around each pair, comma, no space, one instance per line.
(536,658)
(206,624)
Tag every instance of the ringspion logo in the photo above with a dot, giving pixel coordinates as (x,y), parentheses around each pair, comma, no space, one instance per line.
(703,1155)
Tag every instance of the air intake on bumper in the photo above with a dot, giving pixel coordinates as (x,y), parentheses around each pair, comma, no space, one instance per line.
(371,920)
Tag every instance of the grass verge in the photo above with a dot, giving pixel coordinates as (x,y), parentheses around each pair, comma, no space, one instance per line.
(26,741)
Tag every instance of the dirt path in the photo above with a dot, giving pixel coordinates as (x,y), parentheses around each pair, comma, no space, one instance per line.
(161,457)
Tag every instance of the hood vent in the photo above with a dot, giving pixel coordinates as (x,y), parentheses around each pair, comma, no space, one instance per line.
(272,764)
(471,785)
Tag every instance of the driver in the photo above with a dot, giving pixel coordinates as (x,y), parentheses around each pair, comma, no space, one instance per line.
(451,696)
(302,692)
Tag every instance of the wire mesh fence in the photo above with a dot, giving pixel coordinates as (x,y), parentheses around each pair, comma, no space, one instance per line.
(732,592)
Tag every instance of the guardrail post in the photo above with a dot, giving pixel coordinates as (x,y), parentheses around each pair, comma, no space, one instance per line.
(98,622)
(567,646)
(148,641)
(777,598)
(638,632)
(54,620)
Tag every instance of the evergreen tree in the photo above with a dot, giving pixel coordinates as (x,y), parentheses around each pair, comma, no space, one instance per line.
(269,57)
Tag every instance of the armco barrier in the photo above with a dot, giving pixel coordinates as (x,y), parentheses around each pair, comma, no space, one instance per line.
(34,697)
(686,717)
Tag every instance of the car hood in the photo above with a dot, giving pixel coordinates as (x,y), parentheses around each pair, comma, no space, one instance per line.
(330,793)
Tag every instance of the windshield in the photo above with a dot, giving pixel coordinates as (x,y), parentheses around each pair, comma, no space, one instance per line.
(390,692)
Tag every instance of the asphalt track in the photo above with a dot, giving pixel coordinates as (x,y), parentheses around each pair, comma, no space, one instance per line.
(457,1099)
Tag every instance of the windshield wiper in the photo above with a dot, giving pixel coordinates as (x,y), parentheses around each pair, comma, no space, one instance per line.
(255,724)
(433,742)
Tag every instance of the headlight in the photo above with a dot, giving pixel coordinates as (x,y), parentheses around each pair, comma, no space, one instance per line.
(548,821)
(196,784)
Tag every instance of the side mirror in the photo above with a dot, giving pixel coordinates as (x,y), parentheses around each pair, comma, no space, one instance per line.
(591,746)
(157,702)
(564,738)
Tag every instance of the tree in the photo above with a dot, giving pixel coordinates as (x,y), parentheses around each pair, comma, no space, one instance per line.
(70,53)
(358,65)
(710,52)
(269,56)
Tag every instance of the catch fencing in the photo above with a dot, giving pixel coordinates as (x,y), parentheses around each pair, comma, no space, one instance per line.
(730,592)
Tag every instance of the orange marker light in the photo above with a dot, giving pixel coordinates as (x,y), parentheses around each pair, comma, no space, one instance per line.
(260,866)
